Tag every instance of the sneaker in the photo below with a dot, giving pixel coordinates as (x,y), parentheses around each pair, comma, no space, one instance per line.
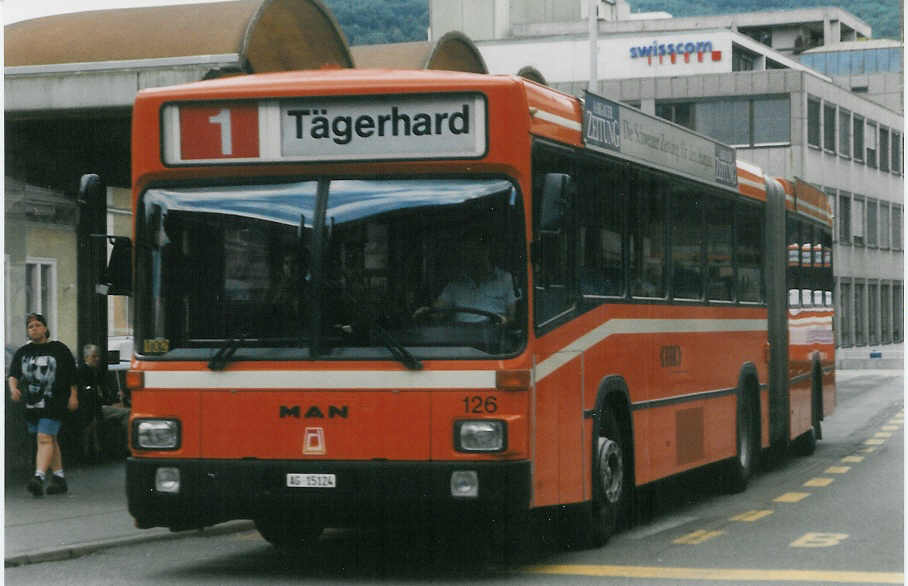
(36,486)
(57,485)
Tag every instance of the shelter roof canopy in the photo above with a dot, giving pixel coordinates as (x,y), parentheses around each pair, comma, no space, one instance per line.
(267,35)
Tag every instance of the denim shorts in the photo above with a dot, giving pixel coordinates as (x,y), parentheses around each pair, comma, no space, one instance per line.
(45,426)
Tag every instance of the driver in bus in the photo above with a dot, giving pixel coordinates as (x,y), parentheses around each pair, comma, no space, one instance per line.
(291,284)
(480,285)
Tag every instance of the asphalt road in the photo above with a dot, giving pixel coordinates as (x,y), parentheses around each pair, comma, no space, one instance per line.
(834,517)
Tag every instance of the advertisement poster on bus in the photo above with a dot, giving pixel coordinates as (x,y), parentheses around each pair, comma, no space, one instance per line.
(615,128)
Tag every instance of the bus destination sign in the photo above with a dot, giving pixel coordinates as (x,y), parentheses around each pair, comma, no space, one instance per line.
(335,128)
(615,128)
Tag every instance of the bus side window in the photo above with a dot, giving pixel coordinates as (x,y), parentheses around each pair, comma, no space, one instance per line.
(749,252)
(687,242)
(646,241)
(600,219)
(720,275)
(552,262)
(794,262)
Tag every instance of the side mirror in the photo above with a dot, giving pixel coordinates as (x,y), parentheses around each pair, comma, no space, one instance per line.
(555,191)
(117,277)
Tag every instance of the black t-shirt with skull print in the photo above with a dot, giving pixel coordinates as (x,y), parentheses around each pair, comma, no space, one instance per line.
(45,373)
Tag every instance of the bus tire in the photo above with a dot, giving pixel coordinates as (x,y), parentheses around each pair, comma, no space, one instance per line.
(806,443)
(285,533)
(611,488)
(744,465)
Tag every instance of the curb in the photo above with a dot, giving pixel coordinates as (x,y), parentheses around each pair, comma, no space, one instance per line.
(78,550)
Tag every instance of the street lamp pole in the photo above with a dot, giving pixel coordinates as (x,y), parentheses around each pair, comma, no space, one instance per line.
(594,46)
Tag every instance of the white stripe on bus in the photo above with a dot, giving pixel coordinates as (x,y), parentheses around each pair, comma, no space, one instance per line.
(321,379)
(556,119)
(434,379)
(643,326)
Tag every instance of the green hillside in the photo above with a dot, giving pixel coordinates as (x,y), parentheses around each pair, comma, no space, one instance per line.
(885,16)
(368,22)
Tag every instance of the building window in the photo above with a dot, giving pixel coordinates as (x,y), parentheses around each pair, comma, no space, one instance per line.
(41,288)
(761,35)
(844,138)
(844,218)
(870,238)
(742,60)
(726,121)
(771,120)
(860,331)
(884,225)
(858,137)
(858,221)
(896,227)
(897,312)
(678,112)
(870,141)
(813,122)
(831,198)
(884,149)
(896,152)
(873,332)
(885,312)
(742,122)
(845,314)
(829,127)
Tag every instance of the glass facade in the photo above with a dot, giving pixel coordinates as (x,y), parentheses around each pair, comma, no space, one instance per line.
(734,121)
(856,62)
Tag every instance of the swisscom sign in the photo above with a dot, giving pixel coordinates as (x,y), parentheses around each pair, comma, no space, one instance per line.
(326,129)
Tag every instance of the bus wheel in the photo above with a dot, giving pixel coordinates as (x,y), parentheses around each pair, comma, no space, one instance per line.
(806,443)
(285,533)
(743,466)
(611,488)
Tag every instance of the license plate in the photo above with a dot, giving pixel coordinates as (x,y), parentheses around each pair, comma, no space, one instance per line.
(311,481)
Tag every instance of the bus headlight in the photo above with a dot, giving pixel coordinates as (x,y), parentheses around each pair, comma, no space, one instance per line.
(156,434)
(484,435)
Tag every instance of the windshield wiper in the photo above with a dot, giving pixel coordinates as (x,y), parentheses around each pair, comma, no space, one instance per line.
(225,352)
(398,350)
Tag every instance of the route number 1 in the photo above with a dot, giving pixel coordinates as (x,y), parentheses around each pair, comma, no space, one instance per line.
(223,119)
(227,130)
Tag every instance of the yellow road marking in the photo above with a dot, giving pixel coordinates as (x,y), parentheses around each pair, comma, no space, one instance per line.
(752,515)
(727,574)
(853,459)
(697,537)
(791,497)
(890,428)
(819,540)
(874,442)
(837,469)
(819,482)
(883,434)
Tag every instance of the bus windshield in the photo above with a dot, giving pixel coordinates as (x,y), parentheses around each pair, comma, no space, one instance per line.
(332,269)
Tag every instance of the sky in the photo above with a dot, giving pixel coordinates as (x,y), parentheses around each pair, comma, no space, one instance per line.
(16,10)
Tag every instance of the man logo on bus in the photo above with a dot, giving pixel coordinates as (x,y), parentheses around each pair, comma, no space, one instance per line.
(315,412)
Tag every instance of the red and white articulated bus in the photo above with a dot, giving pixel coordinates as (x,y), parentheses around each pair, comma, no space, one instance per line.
(365,295)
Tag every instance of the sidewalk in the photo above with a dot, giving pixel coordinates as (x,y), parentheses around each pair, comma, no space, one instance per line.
(90,517)
(889,356)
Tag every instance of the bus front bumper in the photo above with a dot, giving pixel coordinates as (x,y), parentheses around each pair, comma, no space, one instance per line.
(364,492)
